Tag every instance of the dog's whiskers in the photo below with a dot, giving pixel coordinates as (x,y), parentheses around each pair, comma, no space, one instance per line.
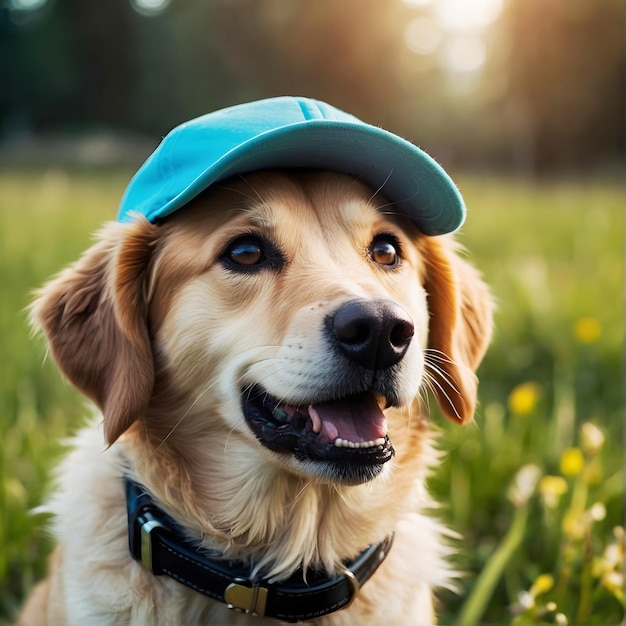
(434,371)
(433,384)
(434,354)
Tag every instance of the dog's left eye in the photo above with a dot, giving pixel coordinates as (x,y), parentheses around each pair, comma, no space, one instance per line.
(251,252)
(245,252)
(385,251)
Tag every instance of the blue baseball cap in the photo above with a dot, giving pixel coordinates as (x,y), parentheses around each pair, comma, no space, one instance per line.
(288,132)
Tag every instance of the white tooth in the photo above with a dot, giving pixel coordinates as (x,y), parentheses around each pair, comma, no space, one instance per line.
(344,443)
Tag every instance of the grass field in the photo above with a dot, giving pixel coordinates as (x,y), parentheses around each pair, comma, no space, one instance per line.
(534,487)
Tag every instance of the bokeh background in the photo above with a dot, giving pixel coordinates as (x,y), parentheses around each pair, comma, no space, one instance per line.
(522,101)
(526,84)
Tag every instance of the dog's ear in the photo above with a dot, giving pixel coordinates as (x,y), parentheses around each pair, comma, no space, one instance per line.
(94,315)
(460,325)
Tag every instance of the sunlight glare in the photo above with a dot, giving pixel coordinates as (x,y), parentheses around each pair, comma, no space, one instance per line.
(464,15)
(417,4)
(422,35)
(464,54)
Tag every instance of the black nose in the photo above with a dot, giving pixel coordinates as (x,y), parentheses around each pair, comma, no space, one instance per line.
(373,333)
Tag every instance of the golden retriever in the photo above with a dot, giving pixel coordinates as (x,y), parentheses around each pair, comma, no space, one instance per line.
(260,359)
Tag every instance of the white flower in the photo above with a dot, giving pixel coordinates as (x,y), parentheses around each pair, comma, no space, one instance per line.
(524,485)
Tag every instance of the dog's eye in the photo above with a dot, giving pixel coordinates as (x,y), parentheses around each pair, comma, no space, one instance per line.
(385,250)
(246,251)
(251,253)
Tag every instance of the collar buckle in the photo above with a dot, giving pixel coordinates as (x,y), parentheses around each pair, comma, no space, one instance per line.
(144,525)
(354,584)
(245,599)
(149,526)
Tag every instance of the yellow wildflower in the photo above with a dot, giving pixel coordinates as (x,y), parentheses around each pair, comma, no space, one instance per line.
(572,462)
(542,584)
(587,330)
(551,489)
(574,525)
(523,399)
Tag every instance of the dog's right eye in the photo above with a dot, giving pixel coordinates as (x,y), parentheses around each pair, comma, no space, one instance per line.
(251,252)
(246,252)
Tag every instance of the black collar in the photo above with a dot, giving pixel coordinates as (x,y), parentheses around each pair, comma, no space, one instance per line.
(160,544)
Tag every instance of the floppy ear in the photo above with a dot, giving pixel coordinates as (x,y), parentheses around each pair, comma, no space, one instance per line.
(94,315)
(461,311)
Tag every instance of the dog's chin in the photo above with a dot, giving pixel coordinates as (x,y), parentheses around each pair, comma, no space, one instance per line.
(343,441)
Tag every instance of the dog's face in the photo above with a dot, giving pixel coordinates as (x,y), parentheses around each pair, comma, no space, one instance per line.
(303,317)
(294,311)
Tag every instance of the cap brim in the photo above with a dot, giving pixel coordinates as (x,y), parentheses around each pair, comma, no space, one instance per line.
(412,181)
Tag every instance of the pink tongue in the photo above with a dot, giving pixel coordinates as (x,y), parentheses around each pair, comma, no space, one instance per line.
(358,420)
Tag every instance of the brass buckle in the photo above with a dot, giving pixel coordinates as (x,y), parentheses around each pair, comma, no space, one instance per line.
(249,600)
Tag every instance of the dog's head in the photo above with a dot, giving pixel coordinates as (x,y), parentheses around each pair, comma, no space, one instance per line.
(292,310)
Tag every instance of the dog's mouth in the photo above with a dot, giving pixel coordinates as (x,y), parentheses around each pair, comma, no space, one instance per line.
(350,434)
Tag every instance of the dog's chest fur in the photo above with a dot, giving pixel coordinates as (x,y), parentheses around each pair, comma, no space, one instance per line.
(105,576)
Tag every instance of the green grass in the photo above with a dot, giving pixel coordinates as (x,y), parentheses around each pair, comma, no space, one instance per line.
(534,492)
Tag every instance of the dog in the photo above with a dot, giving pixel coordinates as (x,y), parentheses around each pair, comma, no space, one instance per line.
(260,359)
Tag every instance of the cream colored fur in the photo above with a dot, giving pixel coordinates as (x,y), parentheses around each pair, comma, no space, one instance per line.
(162,336)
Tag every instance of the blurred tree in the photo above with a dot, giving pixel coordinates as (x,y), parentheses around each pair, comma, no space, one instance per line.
(566,79)
(39,71)
(69,63)
(102,37)
(550,96)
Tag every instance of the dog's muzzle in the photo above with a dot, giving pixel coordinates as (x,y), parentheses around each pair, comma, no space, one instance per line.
(343,433)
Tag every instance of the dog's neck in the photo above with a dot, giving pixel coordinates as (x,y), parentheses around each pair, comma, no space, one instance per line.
(163,548)
(247,509)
